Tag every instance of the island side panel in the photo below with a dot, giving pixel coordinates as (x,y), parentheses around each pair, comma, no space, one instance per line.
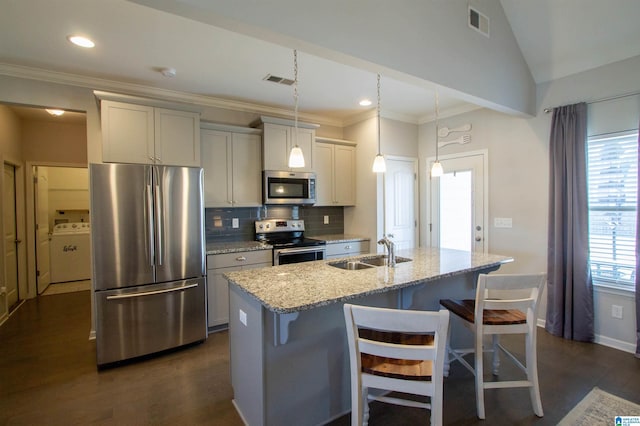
(307,378)
(246,343)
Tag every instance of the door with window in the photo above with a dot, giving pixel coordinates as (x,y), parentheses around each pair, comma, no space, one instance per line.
(400,195)
(458,203)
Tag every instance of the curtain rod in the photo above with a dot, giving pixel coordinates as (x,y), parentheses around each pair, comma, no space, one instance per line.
(610,98)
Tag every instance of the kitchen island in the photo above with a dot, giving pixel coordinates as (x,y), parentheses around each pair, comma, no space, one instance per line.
(289,356)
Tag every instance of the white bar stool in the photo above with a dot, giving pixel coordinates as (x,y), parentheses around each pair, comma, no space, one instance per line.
(515,312)
(396,350)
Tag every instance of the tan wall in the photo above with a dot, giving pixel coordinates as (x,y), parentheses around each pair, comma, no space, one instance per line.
(10,134)
(44,141)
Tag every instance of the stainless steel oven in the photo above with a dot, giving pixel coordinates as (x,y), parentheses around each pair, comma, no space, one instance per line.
(288,241)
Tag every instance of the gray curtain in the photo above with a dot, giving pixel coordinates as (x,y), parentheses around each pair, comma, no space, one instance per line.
(569,287)
(638,259)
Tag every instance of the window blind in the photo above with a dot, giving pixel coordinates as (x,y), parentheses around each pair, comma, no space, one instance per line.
(612,169)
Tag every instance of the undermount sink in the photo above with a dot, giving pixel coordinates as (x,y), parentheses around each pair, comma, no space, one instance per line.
(383,260)
(366,263)
(350,265)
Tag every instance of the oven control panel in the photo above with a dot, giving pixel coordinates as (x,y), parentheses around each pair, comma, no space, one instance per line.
(279,225)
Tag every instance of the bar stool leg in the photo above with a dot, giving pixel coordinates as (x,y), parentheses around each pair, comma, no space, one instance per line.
(496,353)
(532,372)
(479,374)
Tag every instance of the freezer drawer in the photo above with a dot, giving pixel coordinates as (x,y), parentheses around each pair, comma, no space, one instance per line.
(146,319)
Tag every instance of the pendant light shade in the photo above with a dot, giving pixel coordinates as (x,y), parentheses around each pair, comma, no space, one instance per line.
(379,165)
(436,168)
(296,158)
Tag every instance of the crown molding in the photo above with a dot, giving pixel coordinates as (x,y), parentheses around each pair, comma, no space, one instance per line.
(95,83)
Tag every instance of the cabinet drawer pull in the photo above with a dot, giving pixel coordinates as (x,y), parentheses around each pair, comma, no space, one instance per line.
(241,258)
(347,247)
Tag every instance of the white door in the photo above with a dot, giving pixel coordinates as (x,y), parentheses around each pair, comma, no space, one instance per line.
(400,195)
(42,228)
(459,203)
(10,236)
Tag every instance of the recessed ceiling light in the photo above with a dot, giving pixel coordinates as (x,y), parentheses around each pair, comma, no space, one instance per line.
(55,112)
(81,41)
(365,102)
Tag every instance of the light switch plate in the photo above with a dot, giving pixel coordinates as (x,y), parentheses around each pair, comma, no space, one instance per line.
(503,222)
(326,219)
(243,317)
(235,223)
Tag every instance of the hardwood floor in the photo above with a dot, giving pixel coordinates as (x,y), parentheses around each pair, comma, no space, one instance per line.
(48,376)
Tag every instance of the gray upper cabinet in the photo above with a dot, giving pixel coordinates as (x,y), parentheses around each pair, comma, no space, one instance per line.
(279,138)
(231,158)
(143,134)
(335,168)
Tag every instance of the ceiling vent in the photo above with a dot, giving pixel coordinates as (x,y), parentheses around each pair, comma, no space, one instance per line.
(279,80)
(478,21)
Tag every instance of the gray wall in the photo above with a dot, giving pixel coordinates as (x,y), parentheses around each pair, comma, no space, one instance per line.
(518,176)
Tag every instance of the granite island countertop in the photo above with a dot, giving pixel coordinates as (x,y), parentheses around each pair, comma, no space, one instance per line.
(301,286)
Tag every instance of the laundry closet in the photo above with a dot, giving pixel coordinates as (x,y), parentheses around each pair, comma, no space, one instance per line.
(63,194)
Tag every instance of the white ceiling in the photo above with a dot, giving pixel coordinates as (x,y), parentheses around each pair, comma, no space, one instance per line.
(133,42)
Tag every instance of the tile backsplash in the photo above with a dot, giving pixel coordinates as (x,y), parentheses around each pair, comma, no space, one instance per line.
(219,221)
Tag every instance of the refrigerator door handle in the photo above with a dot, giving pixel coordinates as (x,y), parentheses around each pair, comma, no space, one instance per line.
(150,224)
(159,233)
(151,293)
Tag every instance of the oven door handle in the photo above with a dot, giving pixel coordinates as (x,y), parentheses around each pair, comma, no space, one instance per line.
(297,250)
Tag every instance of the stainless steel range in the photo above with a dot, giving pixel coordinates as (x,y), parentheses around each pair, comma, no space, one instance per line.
(288,241)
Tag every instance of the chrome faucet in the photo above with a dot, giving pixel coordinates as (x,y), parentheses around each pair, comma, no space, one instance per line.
(391,248)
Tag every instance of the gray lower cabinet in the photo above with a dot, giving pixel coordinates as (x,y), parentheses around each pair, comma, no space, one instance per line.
(217,286)
(346,249)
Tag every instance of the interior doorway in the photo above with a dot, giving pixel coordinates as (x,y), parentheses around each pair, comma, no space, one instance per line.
(62,233)
(11,240)
(458,201)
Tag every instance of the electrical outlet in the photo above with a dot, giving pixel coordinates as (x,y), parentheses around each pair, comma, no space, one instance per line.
(243,317)
(503,222)
(235,223)
(326,219)
(616,311)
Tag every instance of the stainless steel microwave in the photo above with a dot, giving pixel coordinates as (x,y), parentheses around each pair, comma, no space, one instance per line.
(289,187)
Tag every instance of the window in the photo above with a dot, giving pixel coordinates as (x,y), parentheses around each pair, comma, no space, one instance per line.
(612,169)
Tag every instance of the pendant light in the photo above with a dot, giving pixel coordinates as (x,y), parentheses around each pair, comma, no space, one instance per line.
(436,169)
(296,158)
(379,165)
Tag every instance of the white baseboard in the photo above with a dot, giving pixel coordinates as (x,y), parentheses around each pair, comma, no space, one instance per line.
(615,344)
(604,340)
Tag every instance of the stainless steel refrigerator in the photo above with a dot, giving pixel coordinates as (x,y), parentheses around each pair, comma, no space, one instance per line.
(148,258)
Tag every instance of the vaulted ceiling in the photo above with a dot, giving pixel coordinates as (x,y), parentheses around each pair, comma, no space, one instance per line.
(134,42)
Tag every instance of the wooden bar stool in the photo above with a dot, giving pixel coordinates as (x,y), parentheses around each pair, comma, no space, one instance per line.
(514,312)
(396,350)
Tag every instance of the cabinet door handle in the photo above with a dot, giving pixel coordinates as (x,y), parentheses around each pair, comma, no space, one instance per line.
(241,258)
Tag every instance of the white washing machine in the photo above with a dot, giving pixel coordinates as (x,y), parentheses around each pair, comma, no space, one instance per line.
(70,250)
